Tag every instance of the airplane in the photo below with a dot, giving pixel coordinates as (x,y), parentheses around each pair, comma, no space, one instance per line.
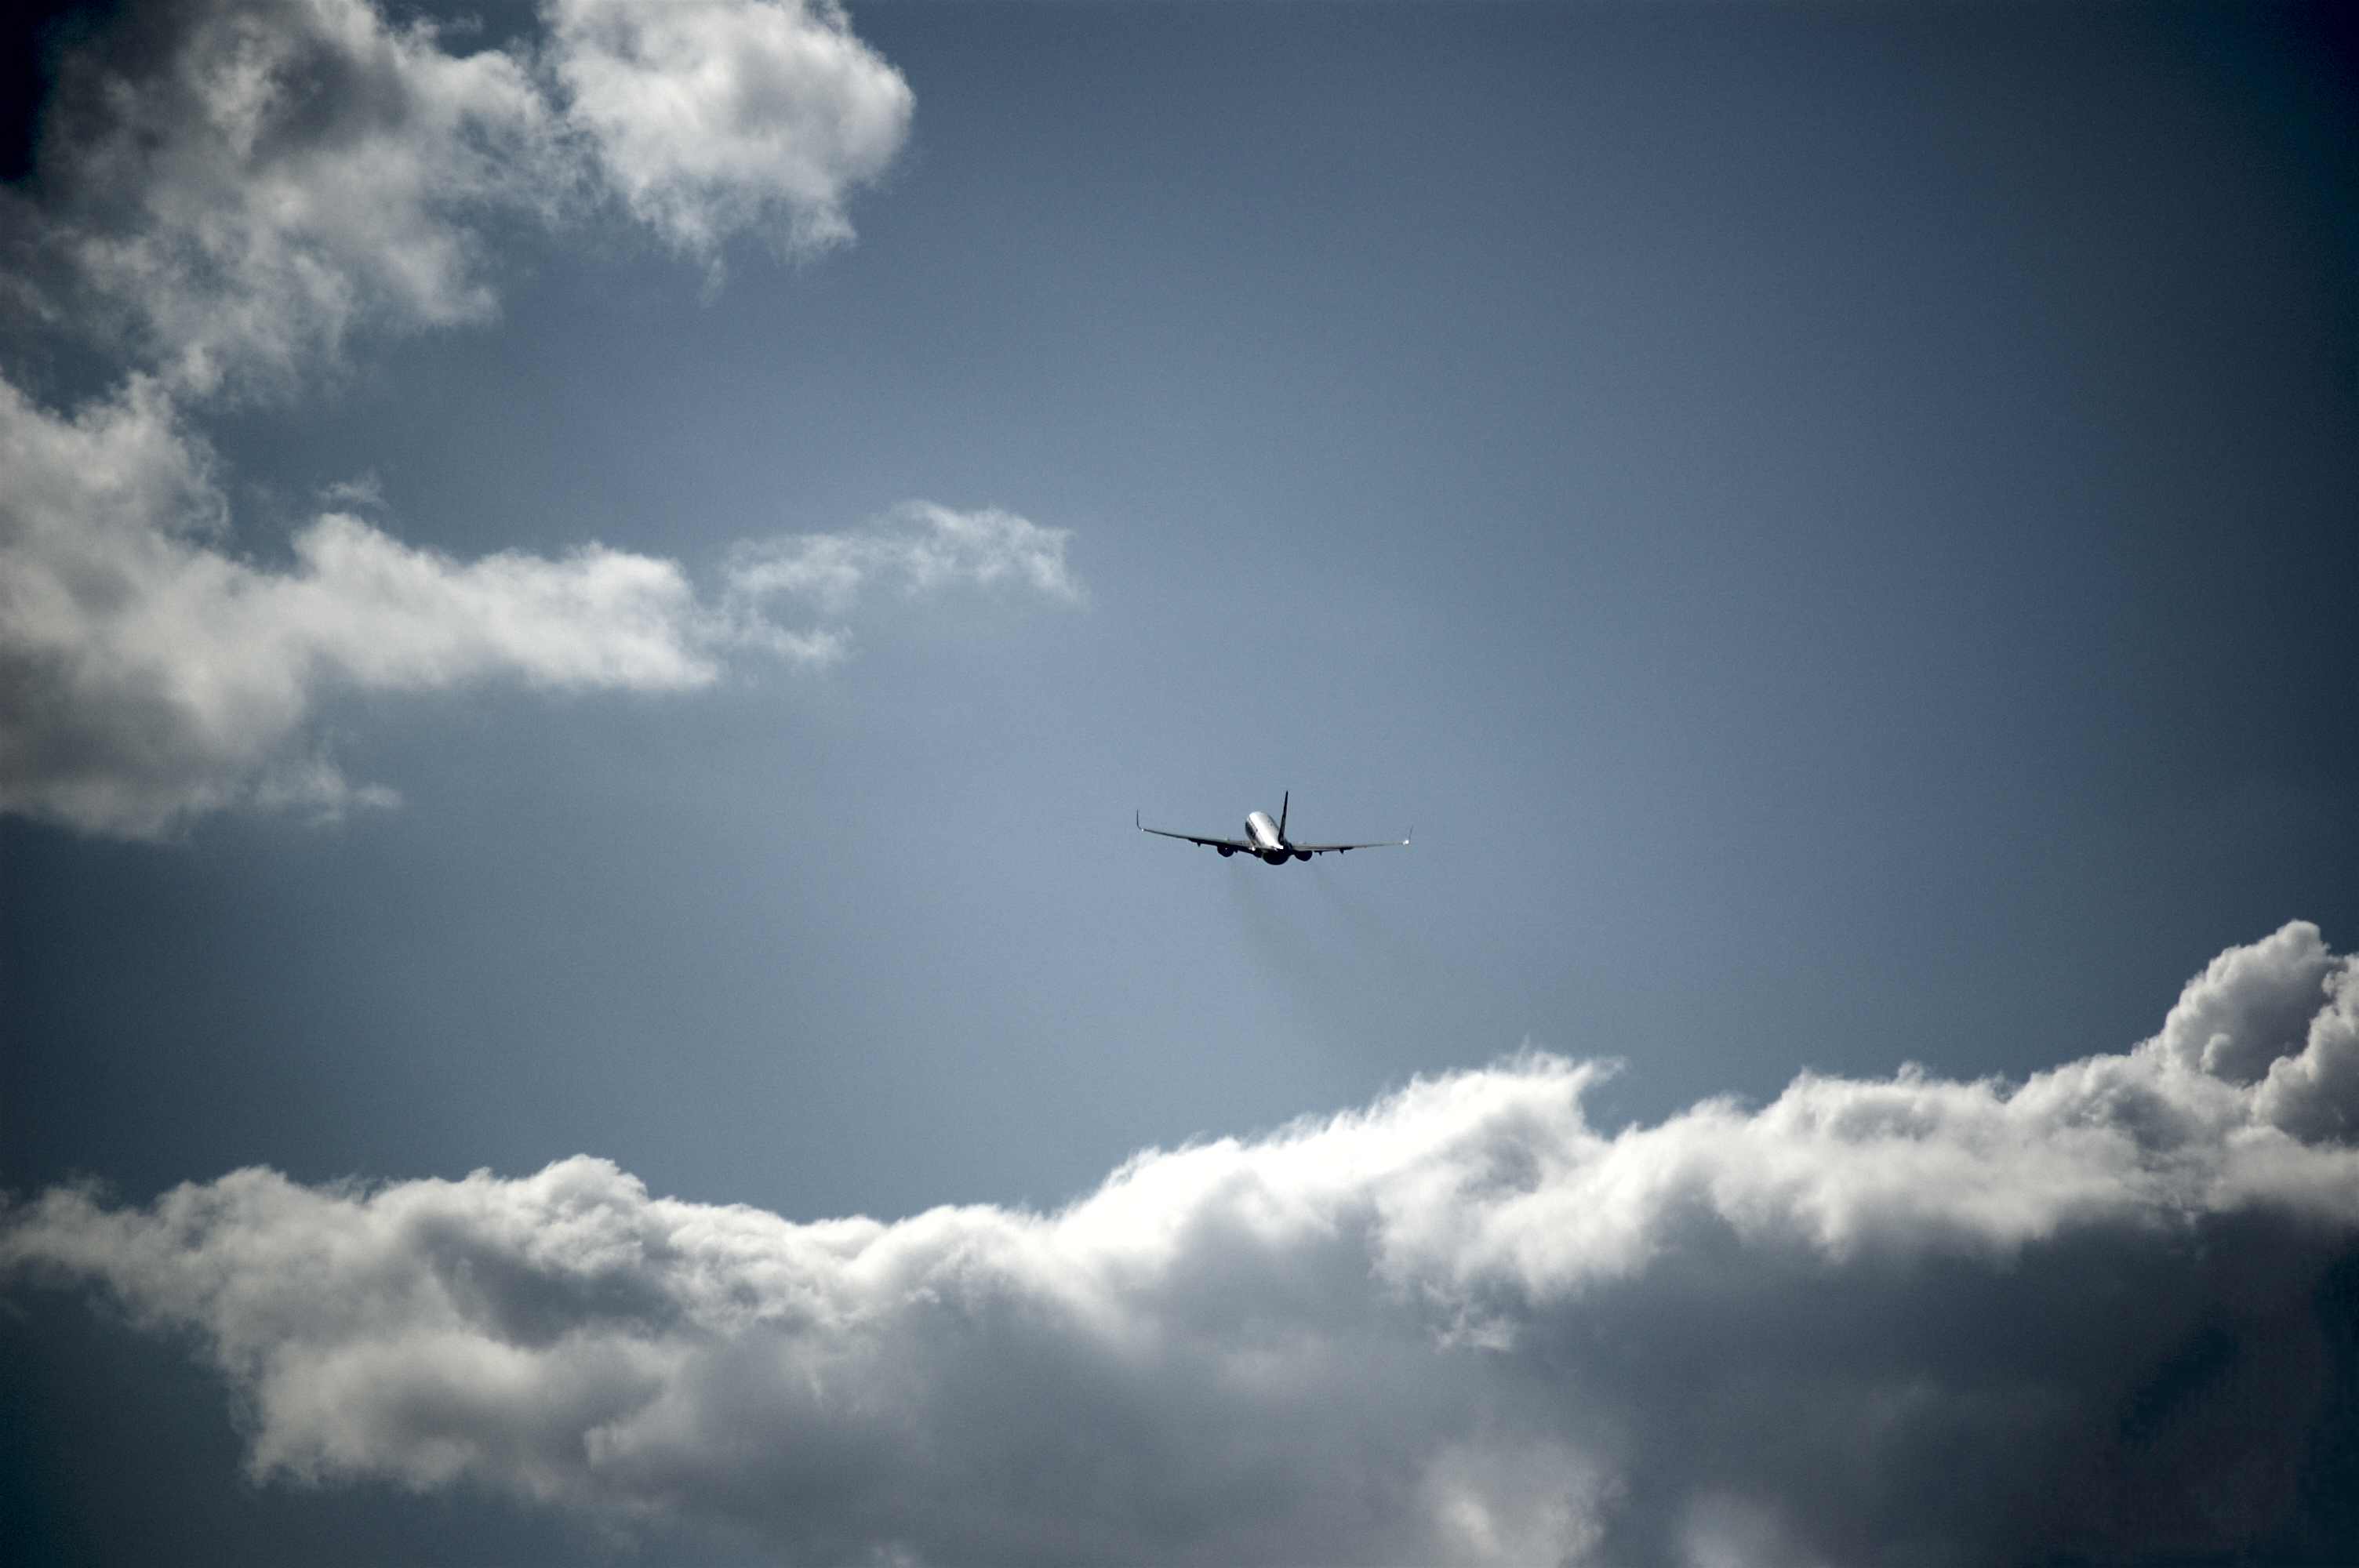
(1267,839)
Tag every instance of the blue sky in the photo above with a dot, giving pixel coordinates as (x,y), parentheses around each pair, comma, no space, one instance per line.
(1834,524)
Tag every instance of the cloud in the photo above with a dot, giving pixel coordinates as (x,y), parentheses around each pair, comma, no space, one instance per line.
(226,192)
(732,115)
(2105,1315)
(233,185)
(147,676)
(918,548)
(230,189)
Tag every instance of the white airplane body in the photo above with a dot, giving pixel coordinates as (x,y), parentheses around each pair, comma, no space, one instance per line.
(1267,840)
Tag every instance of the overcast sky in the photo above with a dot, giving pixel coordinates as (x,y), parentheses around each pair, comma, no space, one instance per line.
(587,594)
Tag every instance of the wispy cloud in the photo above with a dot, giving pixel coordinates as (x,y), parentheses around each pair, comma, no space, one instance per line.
(1909,1320)
(914,550)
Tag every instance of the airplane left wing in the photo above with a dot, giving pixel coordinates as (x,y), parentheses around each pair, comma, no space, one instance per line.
(1209,843)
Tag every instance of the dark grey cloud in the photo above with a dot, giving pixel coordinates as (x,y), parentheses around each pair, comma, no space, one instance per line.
(2107,1311)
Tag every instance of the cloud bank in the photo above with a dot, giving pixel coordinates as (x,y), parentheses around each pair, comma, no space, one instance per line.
(2109,1314)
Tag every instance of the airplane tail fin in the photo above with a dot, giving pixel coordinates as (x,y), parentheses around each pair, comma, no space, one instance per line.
(1285,801)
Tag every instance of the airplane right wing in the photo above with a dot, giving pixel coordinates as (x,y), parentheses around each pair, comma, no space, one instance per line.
(1322,849)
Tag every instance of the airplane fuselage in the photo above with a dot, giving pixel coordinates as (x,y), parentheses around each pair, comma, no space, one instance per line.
(1267,841)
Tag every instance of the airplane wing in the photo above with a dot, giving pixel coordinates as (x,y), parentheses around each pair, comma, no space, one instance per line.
(1322,849)
(1243,844)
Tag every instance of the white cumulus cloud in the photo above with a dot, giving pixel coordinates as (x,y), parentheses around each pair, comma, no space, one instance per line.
(715,115)
(147,673)
(2100,1316)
